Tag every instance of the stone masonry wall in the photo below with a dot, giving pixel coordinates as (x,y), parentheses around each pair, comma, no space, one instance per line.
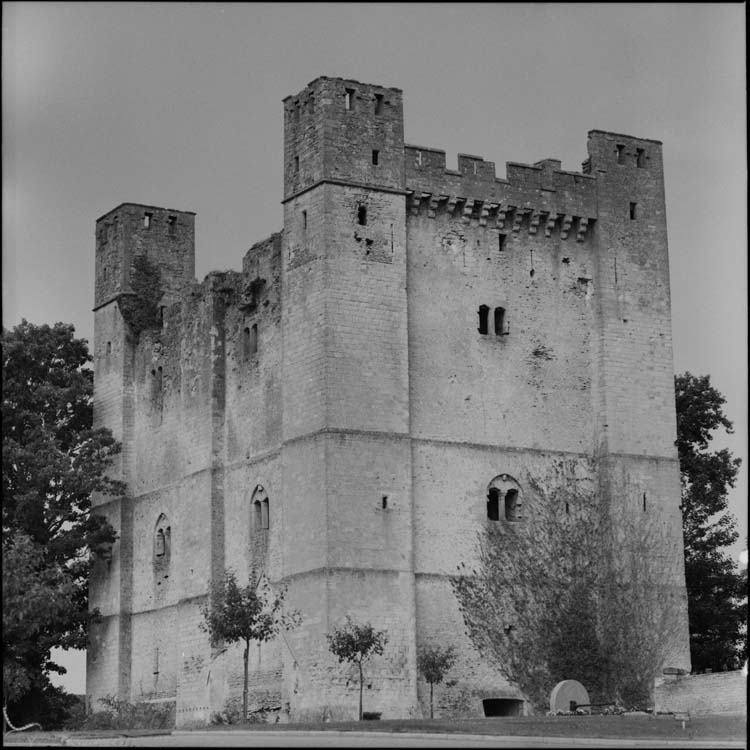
(701,694)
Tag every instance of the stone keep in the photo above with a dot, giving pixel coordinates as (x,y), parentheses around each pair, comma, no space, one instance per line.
(415,340)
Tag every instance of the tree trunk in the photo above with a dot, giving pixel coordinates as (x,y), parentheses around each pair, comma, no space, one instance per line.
(431,712)
(244,687)
(361,681)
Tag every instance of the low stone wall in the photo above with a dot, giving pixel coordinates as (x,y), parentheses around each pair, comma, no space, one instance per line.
(698,694)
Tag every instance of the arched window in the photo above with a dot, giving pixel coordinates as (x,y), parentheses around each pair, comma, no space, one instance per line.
(162,540)
(493,504)
(260,509)
(504,499)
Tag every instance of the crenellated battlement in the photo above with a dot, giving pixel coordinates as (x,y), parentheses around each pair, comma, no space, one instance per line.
(537,197)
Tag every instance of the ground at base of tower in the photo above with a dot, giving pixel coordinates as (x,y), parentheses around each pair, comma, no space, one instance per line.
(663,730)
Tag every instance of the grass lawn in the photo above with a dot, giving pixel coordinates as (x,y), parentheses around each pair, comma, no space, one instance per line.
(608,727)
(665,727)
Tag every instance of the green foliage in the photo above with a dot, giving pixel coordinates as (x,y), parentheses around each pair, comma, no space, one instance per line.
(53,460)
(434,662)
(717,591)
(547,602)
(35,596)
(356,643)
(121,714)
(237,614)
(141,309)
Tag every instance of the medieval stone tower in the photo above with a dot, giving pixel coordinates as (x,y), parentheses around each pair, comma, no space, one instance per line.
(374,386)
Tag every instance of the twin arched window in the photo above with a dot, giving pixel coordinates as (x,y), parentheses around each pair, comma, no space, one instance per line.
(504,499)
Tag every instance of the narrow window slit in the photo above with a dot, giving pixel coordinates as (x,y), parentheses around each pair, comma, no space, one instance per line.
(362,215)
(375,156)
(633,210)
(378,104)
(620,153)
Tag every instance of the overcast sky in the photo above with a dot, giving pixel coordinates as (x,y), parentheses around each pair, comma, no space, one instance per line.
(179,105)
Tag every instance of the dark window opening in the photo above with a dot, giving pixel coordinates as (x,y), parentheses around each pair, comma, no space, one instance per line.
(172,222)
(349,99)
(264,521)
(375,156)
(644,502)
(104,273)
(147,220)
(632,210)
(476,209)
(296,164)
(250,341)
(620,153)
(257,515)
(501,242)
(502,707)
(567,508)
(161,546)
(304,220)
(109,348)
(499,321)
(493,505)
(385,502)
(362,215)
(511,505)
(378,104)
(640,158)
(483,315)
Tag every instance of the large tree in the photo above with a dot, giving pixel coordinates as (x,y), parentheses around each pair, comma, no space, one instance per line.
(717,592)
(53,460)
(546,601)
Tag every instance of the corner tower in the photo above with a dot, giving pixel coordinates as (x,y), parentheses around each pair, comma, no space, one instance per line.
(167,238)
(345,447)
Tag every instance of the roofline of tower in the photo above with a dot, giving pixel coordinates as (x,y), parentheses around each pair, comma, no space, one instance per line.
(624,135)
(144,205)
(345,80)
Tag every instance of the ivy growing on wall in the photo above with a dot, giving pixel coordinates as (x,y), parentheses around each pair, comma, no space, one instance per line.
(141,309)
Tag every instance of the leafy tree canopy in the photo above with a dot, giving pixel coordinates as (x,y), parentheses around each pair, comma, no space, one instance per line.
(240,614)
(53,461)
(356,643)
(717,592)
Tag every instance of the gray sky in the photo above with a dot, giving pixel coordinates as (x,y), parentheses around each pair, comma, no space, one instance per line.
(179,105)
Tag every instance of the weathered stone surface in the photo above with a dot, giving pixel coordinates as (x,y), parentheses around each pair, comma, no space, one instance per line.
(347,377)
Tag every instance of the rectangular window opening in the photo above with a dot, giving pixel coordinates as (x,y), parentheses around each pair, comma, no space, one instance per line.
(640,158)
(172,221)
(633,210)
(620,153)
(349,99)
(304,221)
(499,321)
(501,242)
(378,104)
(147,220)
(296,164)
(375,156)
(483,315)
